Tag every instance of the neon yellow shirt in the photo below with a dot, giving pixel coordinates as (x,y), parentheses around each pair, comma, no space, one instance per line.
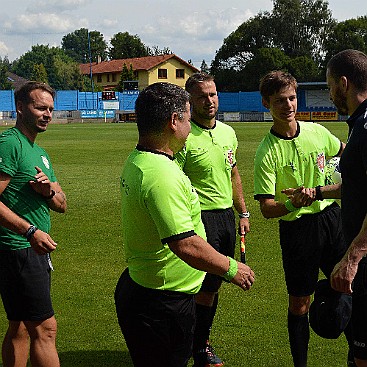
(158,205)
(282,163)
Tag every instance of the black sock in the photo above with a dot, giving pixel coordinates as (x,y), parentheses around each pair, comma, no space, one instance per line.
(202,328)
(299,336)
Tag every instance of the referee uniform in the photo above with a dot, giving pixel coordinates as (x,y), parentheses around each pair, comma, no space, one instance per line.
(154,296)
(310,237)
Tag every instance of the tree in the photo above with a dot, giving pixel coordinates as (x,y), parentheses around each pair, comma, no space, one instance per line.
(4,68)
(126,46)
(351,33)
(55,63)
(297,28)
(156,51)
(204,68)
(126,74)
(82,45)
(39,73)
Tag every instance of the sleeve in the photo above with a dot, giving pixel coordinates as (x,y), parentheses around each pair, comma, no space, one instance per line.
(332,143)
(10,149)
(264,175)
(169,205)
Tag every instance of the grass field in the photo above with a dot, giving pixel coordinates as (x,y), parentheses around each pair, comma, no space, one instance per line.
(250,327)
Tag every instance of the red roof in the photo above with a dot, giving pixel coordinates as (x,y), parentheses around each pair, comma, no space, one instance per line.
(138,63)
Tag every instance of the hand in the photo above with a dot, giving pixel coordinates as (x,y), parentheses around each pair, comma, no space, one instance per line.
(42,243)
(41,183)
(343,275)
(245,277)
(243,226)
(300,196)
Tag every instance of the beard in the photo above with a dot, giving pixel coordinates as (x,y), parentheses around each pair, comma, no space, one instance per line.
(340,103)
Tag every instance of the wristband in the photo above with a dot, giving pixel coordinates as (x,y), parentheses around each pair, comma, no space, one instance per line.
(53,193)
(232,271)
(244,215)
(30,232)
(290,207)
(318,195)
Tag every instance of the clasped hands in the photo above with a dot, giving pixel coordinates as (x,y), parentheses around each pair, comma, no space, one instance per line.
(301,196)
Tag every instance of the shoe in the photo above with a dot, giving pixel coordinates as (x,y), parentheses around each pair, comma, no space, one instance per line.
(350,361)
(207,358)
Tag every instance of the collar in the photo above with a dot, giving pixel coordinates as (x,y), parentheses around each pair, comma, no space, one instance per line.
(144,149)
(361,109)
(287,137)
(204,127)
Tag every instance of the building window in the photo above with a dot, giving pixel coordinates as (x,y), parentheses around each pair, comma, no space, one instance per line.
(114,77)
(108,78)
(180,73)
(162,73)
(99,78)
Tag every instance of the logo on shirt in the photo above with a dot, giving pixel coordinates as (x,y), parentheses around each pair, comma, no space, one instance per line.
(321,162)
(45,162)
(230,156)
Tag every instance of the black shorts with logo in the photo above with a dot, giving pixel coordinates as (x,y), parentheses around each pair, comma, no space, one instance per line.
(25,282)
(310,243)
(220,228)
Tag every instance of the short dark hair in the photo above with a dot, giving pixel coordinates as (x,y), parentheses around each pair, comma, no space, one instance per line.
(353,65)
(23,92)
(274,81)
(196,78)
(156,104)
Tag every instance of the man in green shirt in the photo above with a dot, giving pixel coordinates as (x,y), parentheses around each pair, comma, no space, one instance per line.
(164,238)
(28,190)
(293,155)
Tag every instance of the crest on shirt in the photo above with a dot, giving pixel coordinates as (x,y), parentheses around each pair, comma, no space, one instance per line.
(230,156)
(321,162)
(45,162)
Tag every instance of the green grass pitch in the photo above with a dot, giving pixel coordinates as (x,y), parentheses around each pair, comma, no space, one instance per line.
(250,327)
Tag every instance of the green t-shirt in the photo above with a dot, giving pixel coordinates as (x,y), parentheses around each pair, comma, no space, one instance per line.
(158,205)
(282,163)
(207,159)
(18,158)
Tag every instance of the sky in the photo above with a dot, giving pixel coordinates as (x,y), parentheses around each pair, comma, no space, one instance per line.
(192,29)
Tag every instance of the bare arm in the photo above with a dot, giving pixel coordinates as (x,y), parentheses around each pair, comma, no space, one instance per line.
(46,188)
(297,198)
(239,201)
(200,255)
(345,271)
(40,241)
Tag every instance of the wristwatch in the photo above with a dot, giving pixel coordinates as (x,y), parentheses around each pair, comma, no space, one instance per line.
(244,215)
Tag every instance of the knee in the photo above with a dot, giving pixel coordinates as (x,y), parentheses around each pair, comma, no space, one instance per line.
(45,330)
(17,330)
(299,305)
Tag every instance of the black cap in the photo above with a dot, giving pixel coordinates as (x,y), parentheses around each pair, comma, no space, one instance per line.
(330,310)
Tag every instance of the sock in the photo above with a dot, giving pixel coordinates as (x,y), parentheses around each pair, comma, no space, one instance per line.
(202,328)
(299,335)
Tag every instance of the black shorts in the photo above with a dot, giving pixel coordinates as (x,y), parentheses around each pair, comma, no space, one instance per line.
(310,243)
(25,285)
(220,228)
(158,325)
(359,311)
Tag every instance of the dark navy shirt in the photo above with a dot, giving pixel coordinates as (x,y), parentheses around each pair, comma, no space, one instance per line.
(353,166)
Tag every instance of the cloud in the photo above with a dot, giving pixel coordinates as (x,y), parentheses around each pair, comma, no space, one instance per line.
(4,50)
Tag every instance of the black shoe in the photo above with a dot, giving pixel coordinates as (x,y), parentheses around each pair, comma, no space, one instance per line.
(207,358)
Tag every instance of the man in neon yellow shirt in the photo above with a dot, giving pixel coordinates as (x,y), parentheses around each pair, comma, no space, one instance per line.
(209,160)
(164,238)
(293,155)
